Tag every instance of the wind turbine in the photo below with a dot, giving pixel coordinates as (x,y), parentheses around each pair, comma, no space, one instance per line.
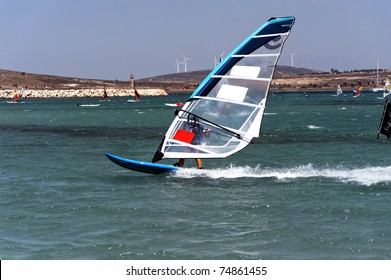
(177,65)
(216,61)
(220,59)
(185,59)
(292,55)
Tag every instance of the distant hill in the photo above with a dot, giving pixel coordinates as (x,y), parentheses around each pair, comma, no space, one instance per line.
(198,76)
(10,79)
(188,81)
(283,71)
(285,78)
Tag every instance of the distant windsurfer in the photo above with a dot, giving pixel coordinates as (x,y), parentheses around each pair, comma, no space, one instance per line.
(199,132)
(137,95)
(15,97)
(105,96)
(20,93)
(357,92)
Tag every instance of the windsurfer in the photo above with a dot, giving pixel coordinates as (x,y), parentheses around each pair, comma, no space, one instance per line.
(137,95)
(199,131)
(105,95)
(357,92)
(15,97)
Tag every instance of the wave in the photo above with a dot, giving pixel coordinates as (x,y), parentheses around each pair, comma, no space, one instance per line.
(314,127)
(367,176)
(97,131)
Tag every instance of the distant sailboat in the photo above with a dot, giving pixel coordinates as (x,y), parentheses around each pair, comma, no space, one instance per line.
(339,90)
(377,88)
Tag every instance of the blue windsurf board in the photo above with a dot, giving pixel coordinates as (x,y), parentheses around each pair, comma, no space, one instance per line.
(141,166)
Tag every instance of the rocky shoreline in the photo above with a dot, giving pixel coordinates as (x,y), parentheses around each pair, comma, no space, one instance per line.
(285,79)
(81,93)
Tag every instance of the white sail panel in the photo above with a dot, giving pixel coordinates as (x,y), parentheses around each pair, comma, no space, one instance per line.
(245,71)
(235,93)
(225,112)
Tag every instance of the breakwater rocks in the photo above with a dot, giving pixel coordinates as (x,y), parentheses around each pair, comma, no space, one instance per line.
(76,93)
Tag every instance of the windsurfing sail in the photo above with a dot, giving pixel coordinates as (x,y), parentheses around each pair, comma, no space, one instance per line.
(133,87)
(339,90)
(225,112)
(385,123)
(20,97)
(105,96)
(387,88)
(136,94)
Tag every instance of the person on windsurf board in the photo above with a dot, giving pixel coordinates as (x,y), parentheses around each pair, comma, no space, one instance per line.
(199,132)
(357,92)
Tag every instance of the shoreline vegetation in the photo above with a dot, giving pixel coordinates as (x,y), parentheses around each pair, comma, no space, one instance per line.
(286,78)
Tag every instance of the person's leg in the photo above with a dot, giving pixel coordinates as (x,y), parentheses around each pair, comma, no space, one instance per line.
(199,163)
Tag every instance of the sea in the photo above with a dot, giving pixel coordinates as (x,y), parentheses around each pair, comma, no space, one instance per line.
(316,184)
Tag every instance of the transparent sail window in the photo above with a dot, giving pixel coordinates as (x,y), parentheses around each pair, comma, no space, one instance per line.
(255,90)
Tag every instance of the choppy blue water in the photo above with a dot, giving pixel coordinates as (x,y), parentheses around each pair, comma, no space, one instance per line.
(315,185)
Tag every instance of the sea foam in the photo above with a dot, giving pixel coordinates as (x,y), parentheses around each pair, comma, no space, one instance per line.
(364,176)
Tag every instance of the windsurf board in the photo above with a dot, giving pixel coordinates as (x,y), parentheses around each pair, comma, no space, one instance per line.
(141,166)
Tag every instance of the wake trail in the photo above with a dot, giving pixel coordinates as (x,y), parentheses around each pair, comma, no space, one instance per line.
(364,176)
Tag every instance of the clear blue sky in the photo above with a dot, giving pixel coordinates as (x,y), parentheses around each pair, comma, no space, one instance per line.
(109,39)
